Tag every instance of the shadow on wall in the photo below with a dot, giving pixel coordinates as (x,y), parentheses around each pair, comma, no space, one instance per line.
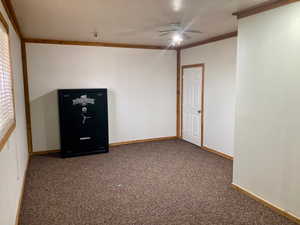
(45,121)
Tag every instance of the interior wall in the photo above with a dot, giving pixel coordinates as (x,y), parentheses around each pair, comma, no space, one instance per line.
(267,139)
(14,155)
(141,89)
(219,91)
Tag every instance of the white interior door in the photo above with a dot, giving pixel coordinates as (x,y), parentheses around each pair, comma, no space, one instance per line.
(192,105)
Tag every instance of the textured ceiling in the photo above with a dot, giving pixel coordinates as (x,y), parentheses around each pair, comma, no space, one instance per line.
(125,21)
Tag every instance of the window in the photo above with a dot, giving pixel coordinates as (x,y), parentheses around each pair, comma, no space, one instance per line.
(7,114)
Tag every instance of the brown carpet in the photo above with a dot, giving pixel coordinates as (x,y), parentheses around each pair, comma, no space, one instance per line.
(157,183)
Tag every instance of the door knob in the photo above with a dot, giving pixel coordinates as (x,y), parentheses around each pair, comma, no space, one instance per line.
(199,111)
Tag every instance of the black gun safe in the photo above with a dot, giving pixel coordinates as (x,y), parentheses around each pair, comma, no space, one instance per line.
(83,121)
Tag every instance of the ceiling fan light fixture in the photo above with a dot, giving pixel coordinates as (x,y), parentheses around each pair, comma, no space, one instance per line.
(177,39)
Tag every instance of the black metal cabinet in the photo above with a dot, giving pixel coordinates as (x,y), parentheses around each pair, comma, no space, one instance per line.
(83,121)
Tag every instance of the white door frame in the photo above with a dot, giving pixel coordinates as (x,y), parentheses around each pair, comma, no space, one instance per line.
(202,99)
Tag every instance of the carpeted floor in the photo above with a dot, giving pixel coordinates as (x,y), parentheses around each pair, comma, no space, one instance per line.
(157,183)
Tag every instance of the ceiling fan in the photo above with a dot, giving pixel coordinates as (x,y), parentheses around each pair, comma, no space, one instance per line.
(178,33)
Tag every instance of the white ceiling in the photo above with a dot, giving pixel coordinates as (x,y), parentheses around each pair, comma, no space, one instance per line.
(125,21)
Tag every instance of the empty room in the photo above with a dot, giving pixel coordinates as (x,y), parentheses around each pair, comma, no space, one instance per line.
(149,112)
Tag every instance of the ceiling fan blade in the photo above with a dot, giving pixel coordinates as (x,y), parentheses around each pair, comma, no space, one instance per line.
(193,31)
(163,31)
(136,30)
(186,36)
(164,34)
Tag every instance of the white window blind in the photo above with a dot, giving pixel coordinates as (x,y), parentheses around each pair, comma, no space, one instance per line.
(7,118)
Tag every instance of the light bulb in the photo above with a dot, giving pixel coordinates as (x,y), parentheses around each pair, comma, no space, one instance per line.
(177,39)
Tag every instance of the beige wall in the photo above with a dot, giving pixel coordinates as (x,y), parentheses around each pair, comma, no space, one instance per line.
(141,89)
(14,156)
(219,92)
(267,143)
